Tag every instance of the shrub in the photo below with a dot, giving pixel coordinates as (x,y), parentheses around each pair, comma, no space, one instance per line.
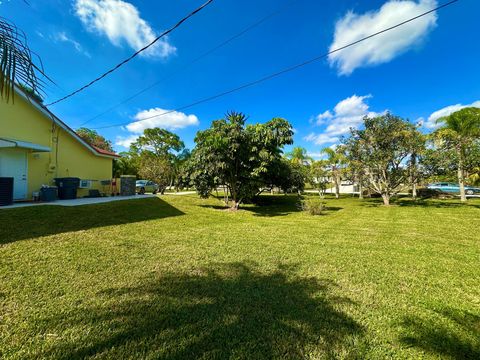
(314,206)
(426,193)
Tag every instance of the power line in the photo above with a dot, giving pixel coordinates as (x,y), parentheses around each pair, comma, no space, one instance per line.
(186,65)
(281,72)
(165,33)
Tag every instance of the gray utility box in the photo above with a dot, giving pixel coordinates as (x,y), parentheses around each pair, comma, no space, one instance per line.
(127,185)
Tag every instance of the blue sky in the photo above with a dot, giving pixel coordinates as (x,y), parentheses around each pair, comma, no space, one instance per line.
(420,71)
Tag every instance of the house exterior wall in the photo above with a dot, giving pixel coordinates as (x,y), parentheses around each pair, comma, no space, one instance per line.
(68,157)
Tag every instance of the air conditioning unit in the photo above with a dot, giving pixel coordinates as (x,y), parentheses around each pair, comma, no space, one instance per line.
(85,184)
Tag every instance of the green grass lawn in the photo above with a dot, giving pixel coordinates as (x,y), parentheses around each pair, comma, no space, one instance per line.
(175,277)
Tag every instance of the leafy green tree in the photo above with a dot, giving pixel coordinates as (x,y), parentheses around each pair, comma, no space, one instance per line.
(355,169)
(237,155)
(158,141)
(474,176)
(418,142)
(385,146)
(286,175)
(94,139)
(296,177)
(440,163)
(180,170)
(335,161)
(459,131)
(154,149)
(127,164)
(156,168)
(319,175)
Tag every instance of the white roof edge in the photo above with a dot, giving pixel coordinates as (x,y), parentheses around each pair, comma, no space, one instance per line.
(60,123)
(26,145)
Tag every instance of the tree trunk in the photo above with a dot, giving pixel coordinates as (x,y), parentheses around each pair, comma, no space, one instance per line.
(413,175)
(360,188)
(235,205)
(337,187)
(461,182)
(386,199)
(461,175)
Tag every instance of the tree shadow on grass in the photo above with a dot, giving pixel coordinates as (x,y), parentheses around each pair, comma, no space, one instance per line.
(457,336)
(227,311)
(272,205)
(36,221)
(265,205)
(419,203)
(434,203)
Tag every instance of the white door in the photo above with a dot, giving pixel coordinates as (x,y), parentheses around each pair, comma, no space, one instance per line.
(13,163)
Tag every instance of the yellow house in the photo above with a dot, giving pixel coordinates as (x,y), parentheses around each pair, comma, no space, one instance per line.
(36,147)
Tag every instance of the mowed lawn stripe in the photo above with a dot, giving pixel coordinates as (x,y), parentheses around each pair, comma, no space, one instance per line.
(178,277)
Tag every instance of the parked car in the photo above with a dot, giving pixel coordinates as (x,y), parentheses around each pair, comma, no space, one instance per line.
(453,188)
(144,186)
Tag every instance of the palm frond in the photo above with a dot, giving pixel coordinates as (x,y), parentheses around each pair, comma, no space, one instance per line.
(16,62)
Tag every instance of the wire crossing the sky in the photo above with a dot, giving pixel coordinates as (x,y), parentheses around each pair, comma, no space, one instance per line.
(195,60)
(284,71)
(165,33)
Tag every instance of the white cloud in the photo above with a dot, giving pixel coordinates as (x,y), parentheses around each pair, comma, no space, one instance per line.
(321,139)
(126,141)
(431,123)
(120,21)
(348,113)
(323,117)
(63,37)
(172,121)
(384,47)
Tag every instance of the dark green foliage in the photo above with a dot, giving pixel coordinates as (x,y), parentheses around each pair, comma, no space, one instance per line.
(158,141)
(313,205)
(237,155)
(127,164)
(158,155)
(93,138)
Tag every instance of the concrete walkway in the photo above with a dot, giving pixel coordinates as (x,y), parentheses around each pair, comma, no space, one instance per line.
(80,201)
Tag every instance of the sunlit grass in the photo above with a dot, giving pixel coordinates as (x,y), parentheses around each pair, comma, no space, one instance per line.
(177,277)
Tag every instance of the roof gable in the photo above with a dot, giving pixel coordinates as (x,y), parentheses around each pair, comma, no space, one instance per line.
(46,112)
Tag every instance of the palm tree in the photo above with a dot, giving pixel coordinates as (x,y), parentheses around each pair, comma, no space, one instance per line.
(335,159)
(299,155)
(474,176)
(16,64)
(458,132)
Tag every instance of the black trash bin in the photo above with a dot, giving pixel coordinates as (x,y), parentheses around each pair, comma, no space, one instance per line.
(67,187)
(48,193)
(6,191)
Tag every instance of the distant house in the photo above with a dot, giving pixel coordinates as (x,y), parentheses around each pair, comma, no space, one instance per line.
(36,147)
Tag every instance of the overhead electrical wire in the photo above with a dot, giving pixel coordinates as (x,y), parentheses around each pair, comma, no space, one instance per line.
(131,57)
(281,72)
(195,60)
